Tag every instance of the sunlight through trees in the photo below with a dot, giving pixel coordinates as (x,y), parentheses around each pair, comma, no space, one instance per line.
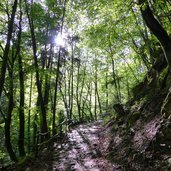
(67,62)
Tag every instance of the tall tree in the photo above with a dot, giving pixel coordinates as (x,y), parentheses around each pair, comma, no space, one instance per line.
(7,46)
(5,63)
(8,120)
(22,95)
(157,29)
(58,67)
(44,128)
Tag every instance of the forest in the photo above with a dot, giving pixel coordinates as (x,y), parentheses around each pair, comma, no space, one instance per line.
(81,71)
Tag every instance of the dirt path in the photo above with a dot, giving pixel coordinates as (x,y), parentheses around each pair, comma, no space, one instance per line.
(83,150)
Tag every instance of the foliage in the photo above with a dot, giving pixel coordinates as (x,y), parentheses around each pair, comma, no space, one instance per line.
(107,51)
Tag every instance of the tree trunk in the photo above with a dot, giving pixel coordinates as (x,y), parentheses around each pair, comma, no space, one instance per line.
(77,93)
(71,82)
(107,93)
(95,104)
(95,85)
(55,94)
(44,128)
(90,102)
(7,46)
(156,28)
(81,94)
(9,117)
(21,80)
(99,101)
(35,132)
(57,72)
(115,80)
(29,113)
(48,68)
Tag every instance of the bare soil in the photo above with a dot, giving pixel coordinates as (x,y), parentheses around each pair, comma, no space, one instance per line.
(83,149)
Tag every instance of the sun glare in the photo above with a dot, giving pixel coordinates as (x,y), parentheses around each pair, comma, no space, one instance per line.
(59,40)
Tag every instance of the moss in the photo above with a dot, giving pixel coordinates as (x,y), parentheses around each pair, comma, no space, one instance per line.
(162,77)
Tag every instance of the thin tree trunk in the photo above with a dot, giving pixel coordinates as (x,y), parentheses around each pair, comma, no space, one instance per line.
(81,94)
(114,79)
(21,80)
(44,128)
(64,100)
(71,82)
(95,103)
(48,62)
(84,102)
(107,94)
(95,85)
(96,90)
(90,102)
(55,95)
(69,94)
(29,113)
(99,101)
(77,93)
(35,136)
(57,73)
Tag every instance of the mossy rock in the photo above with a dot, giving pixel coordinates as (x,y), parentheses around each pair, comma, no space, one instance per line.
(133,118)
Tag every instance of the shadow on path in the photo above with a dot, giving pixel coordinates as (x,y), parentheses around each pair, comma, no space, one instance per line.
(82,150)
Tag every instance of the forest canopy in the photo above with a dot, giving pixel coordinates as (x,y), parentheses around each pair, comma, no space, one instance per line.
(69,61)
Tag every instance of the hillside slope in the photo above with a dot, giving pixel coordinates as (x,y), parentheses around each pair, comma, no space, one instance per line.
(140,137)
